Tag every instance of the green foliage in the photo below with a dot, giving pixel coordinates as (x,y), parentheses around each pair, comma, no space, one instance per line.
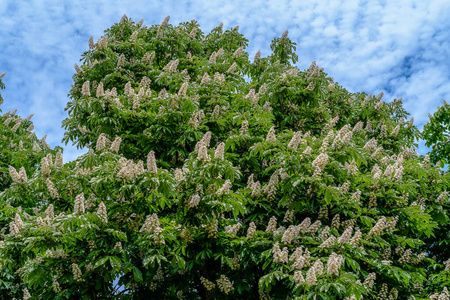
(436,134)
(285,185)
(19,147)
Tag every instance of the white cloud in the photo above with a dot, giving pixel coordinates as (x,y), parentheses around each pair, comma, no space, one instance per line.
(401,47)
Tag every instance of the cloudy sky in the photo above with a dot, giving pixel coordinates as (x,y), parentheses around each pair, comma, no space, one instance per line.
(401,47)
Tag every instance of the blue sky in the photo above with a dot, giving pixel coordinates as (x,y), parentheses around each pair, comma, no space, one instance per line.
(399,47)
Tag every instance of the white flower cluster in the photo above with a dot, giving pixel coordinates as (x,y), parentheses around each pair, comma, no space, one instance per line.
(186,235)
(55,284)
(85,90)
(271,135)
(76,273)
(376,172)
(151,162)
(346,235)
(336,221)
(178,174)
(100,90)
(324,233)
(270,189)
(271,227)
(329,242)
(52,190)
(36,147)
(238,51)
(251,230)
(171,66)
(320,161)
(115,145)
(148,57)
(352,168)
(183,89)
(232,69)
(370,280)
(233,229)
(383,132)
(83,129)
(26,294)
(45,165)
(343,137)
(209,285)
(445,295)
(18,221)
(224,284)
(59,159)
(334,264)
(379,226)
(50,212)
(44,142)
(406,257)
(289,216)
(278,255)
(244,127)
(447,265)
(358,127)
(193,201)
(257,56)
(293,144)
(390,225)
(398,173)
(396,130)
(371,144)
(151,225)
(313,70)
(298,277)
(311,86)
(103,42)
(219,153)
(289,234)
(300,262)
(326,141)
(311,278)
(46,222)
(56,254)
(202,146)
(21,176)
(129,169)
(225,189)
(212,227)
(101,211)
(356,197)
(216,112)
(101,142)
(79,204)
(82,171)
(118,246)
(16,126)
(356,238)
(13,228)
(205,79)
(121,61)
(253,97)
(304,225)
(212,58)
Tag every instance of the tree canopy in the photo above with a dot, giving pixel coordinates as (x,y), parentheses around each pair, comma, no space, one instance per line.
(213,176)
(437,134)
